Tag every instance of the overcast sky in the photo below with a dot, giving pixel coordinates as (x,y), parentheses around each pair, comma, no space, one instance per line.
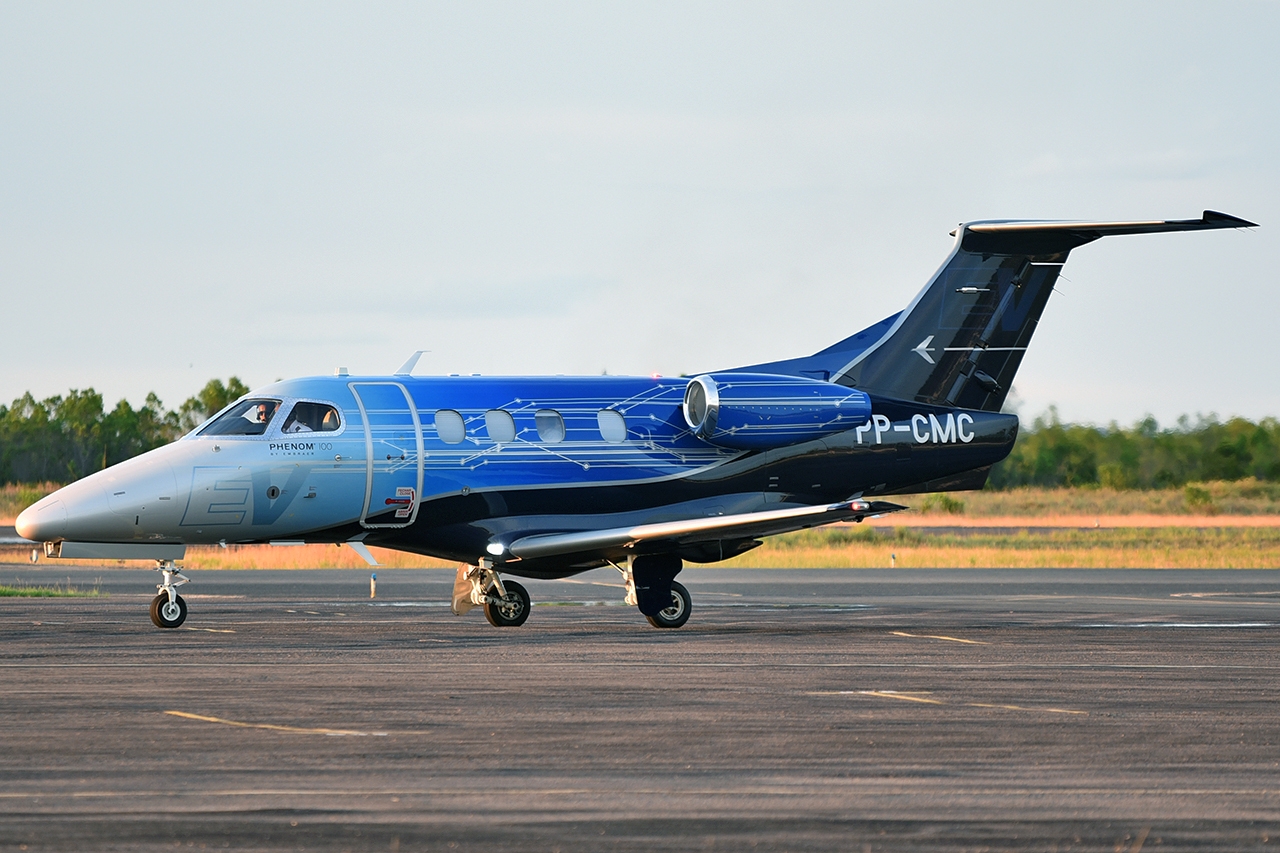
(269,190)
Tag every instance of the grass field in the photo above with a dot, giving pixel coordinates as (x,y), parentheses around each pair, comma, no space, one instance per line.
(1208,525)
(864,546)
(15,498)
(849,546)
(22,590)
(1237,498)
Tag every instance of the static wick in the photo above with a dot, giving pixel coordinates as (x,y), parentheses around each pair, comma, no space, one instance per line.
(373,585)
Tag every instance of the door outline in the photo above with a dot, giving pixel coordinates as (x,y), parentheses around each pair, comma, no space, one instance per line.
(368,455)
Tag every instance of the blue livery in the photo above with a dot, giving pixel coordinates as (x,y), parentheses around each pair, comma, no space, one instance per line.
(547,477)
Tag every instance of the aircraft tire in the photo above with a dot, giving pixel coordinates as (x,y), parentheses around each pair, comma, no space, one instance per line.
(164,616)
(514,609)
(679,611)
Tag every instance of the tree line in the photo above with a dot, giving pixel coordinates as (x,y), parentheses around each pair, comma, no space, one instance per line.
(64,438)
(1143,456)
(61,439)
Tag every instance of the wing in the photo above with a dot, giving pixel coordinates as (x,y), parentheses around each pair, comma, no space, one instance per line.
(618,541)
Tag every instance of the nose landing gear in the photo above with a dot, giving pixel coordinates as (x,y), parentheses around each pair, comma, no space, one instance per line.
(168,610)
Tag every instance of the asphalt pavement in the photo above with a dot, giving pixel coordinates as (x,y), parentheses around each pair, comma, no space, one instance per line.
(798,710)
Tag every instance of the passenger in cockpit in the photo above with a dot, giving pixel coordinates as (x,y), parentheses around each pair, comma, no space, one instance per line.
(311,417)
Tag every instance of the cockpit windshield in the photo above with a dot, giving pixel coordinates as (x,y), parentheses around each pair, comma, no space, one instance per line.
(250,417)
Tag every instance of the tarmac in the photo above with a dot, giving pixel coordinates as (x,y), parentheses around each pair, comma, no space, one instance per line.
(955,709)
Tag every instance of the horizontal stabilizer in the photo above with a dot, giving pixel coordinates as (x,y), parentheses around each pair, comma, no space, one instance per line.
(745,525)
(1023,237)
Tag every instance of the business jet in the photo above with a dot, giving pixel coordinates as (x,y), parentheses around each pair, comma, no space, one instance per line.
(548,477)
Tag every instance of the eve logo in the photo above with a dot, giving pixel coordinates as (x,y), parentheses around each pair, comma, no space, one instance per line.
(218,496)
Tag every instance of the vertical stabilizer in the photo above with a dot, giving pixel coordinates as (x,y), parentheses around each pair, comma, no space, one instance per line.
(962,340)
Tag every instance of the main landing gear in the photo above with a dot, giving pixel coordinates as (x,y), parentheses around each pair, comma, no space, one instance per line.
(650,581)
(506,603)
(651,586)
(168,610)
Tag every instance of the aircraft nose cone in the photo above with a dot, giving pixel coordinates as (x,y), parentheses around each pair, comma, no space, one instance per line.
(43,521)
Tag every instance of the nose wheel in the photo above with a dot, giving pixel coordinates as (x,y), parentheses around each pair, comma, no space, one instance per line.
(166,613)
(168,610)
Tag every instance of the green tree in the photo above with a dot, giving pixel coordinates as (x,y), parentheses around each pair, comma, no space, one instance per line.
(211,399)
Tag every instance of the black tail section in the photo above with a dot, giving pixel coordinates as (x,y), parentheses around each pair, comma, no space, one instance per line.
(961,342)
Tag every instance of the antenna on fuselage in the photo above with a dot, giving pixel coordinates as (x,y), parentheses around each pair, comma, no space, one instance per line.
(407,367)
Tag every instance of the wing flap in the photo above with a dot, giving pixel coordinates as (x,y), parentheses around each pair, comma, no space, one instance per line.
(743,525)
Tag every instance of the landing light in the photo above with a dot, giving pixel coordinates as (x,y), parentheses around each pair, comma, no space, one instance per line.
(495,548)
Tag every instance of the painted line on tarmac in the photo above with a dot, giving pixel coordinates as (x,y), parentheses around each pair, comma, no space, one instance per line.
(896,665)
(799,790)
(923,698)
(1178,625)
(939,637)
(275,728)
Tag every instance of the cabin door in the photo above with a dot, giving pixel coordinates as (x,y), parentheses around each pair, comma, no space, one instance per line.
(393,453)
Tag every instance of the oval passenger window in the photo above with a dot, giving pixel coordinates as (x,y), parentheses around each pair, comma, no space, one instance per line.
(499,425)
(550,425)
(450,427)
(613,426)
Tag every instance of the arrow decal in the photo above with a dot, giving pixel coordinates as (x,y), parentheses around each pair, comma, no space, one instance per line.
(923,349)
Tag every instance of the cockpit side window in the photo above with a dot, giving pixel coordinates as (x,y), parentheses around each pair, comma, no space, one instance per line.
(249,417)
(311,417)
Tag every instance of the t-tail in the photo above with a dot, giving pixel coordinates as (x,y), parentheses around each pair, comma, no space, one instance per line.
(962,339)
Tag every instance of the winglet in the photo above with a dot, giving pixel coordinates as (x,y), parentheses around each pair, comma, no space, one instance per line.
(1227,220)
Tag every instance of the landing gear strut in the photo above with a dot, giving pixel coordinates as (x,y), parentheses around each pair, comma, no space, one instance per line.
(651,586)
(168,610)
(506,603)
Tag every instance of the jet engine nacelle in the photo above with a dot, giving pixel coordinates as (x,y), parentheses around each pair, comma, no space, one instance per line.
(758,411)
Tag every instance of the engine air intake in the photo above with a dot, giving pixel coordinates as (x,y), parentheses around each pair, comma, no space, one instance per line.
(758,411)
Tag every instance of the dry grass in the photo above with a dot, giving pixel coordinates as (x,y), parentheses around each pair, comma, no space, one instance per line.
(265,557)
(56,590)
(846,546)
(303,557)
(1240,497)
(1212,525)
(863,546)
(15,498)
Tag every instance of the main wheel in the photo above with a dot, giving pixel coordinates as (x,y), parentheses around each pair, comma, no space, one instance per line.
(168,615)
(513,609)
(678,613)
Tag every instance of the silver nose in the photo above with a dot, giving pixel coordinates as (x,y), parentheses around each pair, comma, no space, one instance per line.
(43,521)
